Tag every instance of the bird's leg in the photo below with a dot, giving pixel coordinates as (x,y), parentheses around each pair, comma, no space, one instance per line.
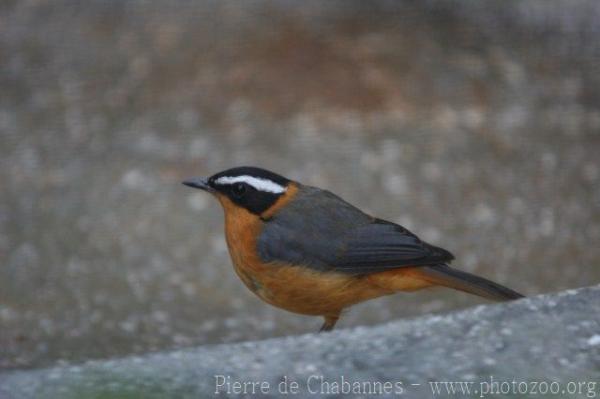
(329,323)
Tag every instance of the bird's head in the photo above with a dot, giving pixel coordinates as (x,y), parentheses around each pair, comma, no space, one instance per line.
(254,189)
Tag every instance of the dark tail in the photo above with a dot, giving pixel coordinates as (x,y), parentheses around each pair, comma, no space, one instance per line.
(448,277)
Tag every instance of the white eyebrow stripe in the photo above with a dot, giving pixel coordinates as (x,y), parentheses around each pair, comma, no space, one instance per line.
(256,182)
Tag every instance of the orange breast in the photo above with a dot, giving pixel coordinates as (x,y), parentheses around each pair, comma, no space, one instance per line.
(241,231)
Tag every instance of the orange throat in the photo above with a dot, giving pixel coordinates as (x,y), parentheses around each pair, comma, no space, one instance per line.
(242,229)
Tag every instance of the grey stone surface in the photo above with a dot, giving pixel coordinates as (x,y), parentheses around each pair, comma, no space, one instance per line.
(553,338)
(475,124)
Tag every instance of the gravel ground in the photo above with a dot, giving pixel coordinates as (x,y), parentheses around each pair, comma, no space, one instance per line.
(476,125)
(482,345)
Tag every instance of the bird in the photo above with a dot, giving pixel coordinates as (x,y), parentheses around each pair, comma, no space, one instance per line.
(308,251)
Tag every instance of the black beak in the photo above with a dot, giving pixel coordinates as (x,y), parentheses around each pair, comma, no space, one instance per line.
(198,182)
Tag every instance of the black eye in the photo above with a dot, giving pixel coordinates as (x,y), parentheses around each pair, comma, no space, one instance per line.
(238,190)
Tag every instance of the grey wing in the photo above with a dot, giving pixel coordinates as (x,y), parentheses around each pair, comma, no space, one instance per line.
(321,231)
(383,245)
(307,231)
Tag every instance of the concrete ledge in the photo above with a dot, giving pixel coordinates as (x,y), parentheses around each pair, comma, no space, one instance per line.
(546,338)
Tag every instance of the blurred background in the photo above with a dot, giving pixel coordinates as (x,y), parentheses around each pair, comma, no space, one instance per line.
(474,124)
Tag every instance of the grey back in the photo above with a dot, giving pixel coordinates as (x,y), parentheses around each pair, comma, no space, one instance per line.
(310,230)
(319,230)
